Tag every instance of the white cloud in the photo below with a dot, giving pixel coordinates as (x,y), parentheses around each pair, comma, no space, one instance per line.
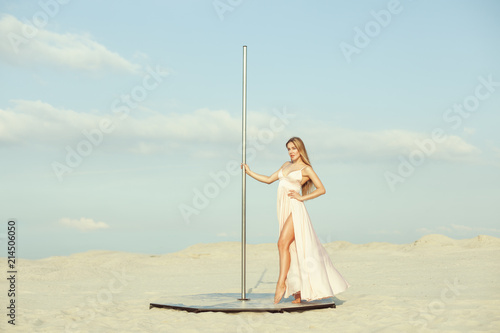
(336,143)
(331,142)
(32,122)
(469,130)
(211,133)
(425,231)
(43,47)
(386,232)
(496,150)
(474,229)
(36,122)
(83,224)
(456,230)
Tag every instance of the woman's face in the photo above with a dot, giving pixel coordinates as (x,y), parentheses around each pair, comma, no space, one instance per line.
(293,151)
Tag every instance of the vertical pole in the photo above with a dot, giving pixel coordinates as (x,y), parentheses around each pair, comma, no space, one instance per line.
(243,180)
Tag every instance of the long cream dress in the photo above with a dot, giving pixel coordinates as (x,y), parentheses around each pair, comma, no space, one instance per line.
(311,270)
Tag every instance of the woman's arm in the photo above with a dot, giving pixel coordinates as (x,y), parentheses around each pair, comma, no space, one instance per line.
(320,189)
(261,178)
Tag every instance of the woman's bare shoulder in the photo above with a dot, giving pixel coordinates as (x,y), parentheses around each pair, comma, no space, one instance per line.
(285,164)
(307,169)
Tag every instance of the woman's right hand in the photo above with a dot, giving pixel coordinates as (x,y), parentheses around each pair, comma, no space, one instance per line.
(243,165)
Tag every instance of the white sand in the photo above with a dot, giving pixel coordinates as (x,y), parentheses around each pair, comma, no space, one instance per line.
(435,284)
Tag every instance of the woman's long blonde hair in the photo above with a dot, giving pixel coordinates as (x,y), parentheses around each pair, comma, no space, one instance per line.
(308,186)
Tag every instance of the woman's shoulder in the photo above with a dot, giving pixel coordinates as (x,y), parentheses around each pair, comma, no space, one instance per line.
(306,168)
(285,164)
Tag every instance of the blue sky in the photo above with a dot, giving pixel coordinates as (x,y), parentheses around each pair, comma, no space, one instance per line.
(120,122)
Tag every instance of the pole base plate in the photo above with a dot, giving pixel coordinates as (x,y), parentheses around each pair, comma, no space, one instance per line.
(229,302)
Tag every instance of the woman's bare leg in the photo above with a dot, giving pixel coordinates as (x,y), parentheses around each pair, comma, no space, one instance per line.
(287,236)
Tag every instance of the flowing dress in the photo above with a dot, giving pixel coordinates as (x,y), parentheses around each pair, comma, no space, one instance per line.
(311,270)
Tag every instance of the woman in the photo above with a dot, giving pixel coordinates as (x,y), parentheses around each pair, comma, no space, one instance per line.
(306,271)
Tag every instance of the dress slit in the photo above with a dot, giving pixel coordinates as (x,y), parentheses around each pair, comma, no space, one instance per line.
(311,271)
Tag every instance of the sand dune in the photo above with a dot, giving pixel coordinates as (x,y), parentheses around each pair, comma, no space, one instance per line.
(434,284)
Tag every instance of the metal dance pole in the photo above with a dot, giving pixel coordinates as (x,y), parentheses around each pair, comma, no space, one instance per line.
(243,181)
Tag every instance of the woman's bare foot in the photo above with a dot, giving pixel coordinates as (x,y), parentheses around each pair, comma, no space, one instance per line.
(280,291)
(297,298)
